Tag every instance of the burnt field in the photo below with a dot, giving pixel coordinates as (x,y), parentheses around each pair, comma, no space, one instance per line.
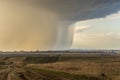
(59,66)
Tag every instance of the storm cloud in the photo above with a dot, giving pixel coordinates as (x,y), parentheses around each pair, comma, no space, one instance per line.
(80,9)
(47,24)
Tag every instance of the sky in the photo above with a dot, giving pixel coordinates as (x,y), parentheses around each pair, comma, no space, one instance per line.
(59,24)
(102,33)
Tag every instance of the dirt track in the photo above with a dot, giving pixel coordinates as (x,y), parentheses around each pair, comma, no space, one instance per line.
(13,72)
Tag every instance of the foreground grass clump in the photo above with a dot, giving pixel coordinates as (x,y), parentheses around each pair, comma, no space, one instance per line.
(56,75)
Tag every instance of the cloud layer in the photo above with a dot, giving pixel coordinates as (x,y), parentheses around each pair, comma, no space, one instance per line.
(81,9)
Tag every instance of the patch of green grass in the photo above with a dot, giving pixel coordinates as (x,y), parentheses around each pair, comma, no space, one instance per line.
(2,63)
(48,59)
(68,76)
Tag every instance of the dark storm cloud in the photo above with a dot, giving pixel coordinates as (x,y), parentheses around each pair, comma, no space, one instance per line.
(81,9)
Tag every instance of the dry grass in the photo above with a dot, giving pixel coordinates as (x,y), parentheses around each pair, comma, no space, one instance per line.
(105,69)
